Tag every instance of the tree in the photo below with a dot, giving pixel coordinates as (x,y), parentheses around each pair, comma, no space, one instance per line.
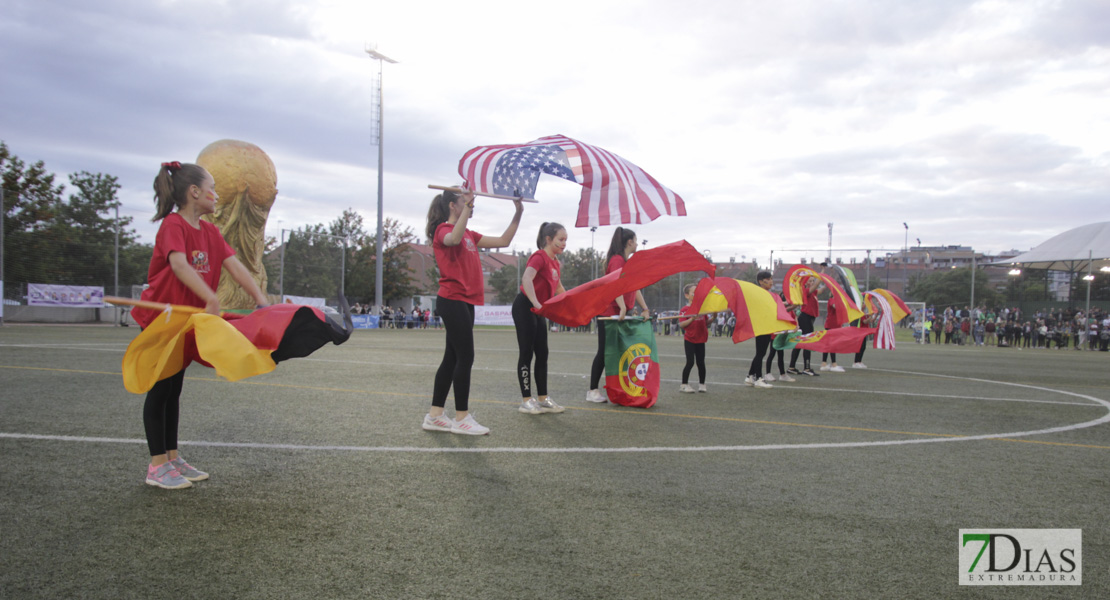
(313,257)
(952,287)
(70,242)
(504,282)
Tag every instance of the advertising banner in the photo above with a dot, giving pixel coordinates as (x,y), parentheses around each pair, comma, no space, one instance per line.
(74,296)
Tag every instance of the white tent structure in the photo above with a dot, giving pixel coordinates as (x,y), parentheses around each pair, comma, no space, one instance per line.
(1081,250)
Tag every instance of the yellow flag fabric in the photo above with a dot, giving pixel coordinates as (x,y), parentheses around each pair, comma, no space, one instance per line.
(161,349)
(757,311)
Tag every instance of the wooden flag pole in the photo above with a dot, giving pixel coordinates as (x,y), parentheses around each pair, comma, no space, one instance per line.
(459,190)
(158,306)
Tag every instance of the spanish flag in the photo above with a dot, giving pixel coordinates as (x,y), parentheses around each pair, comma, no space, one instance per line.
(898,308)
(758,311)
(796,278)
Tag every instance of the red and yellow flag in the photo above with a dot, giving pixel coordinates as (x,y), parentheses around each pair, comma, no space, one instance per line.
(898,308)
(758,311)
(795,281)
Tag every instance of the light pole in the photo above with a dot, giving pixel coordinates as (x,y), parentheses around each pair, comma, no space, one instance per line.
(905,251)
(382,59)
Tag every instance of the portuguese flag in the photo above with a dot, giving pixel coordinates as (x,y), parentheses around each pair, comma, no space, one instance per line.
(631,373)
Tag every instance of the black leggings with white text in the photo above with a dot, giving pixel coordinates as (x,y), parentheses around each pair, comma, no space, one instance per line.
(531,340)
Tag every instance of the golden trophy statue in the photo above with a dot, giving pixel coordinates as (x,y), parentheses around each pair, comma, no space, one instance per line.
(247,184)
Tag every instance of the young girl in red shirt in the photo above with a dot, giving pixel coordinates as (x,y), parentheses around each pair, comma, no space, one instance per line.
(184,269)
(621,247)
(696,330)
(539,282)
(461,288)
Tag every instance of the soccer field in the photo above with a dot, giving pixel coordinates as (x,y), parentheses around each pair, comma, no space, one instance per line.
(323,485)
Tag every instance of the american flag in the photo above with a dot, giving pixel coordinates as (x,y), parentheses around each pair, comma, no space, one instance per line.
(615,191)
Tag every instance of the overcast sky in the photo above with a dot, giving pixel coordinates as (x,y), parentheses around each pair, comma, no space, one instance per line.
(976,123)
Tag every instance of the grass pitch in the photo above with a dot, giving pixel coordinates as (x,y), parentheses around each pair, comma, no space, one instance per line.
(323,485)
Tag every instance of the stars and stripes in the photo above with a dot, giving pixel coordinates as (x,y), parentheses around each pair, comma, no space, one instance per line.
(615,191)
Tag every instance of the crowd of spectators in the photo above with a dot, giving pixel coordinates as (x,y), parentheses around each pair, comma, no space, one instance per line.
(399,318)
(1010,328)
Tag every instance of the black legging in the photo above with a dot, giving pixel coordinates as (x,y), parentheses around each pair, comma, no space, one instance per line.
(781,356)
(805,322)
(531,339)
(862,347)
(598,366)
(458,357)
(762,342)
(695,353)
(162,413)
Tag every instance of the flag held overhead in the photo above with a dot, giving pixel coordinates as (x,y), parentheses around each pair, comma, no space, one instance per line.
(615,191)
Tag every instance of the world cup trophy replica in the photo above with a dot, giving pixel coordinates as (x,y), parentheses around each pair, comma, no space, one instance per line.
(246,182)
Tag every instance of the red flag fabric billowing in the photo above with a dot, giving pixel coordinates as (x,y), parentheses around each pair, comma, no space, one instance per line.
(575,307)
(843,340)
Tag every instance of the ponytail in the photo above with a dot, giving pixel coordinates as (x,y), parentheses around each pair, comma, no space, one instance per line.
(547,230)
(620,240)
(171,185)
(439,212)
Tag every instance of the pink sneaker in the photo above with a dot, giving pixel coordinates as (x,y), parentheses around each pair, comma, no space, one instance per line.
(166,476)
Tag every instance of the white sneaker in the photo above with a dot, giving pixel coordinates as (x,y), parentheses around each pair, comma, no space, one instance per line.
(859,366)
(824,367)
(748,381)
(701,387)
(786,378)
(686,389)
(548,406)
(759,383)
(468,426)
(440,423)
(530,407)
(768,378)
(596,396)
(837,369)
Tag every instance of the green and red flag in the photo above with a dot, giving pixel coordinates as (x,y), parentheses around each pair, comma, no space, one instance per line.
(631,373)
(843,340)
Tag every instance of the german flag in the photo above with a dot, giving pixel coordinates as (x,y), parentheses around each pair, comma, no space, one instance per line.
(236,346)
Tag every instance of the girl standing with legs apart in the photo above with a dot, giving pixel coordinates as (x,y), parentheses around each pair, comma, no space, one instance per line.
(538,283)
(461,287)
(620,248)
(185,270)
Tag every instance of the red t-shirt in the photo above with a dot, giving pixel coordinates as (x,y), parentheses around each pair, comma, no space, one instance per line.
(616,263)
(809,302)
(833,319)
(546,280)
(204,248)
(460,269)
(698,331)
